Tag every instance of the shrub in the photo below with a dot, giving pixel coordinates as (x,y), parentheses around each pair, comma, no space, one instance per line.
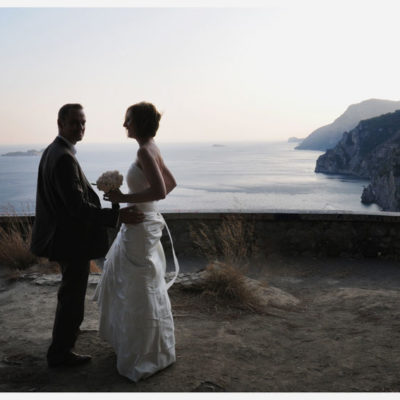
(228,248)
(15,238)
(14,243)
(227,284)
(232,242)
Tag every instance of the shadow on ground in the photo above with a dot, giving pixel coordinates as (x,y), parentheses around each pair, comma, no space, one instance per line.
(343,336)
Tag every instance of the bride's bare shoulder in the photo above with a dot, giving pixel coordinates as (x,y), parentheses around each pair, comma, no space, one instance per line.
(144,151)
(149,150)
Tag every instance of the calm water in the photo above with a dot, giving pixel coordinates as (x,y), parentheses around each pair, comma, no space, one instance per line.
(235,176)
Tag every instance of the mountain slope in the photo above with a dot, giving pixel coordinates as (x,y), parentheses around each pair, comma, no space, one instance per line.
(328,136)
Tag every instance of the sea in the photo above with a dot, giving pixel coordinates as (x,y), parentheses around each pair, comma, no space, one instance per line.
(240,176)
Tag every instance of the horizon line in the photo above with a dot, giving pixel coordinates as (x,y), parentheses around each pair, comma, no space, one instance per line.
(160,142)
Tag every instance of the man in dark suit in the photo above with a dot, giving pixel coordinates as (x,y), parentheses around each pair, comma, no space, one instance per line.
(70,228)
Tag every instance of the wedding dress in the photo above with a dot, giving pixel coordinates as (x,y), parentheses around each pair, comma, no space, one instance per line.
(135,310)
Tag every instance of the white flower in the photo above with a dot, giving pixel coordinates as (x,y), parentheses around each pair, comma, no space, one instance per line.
(109,180)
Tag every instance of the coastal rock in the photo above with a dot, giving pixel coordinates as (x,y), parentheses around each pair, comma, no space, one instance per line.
(371,151)
(384,188)
(345,158)
(328,136)
(368,195)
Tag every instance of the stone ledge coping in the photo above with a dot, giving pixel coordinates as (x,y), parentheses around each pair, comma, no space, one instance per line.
(289,216)
(281,215)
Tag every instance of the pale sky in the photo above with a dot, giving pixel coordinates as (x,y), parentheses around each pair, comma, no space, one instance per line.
(229,73)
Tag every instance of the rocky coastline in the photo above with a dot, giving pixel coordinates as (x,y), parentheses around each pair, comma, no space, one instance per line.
(371,151)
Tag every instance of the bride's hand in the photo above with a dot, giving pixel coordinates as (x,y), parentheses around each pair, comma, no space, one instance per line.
(115,196)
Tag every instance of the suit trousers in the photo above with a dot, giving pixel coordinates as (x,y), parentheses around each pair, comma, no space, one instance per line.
(70,306)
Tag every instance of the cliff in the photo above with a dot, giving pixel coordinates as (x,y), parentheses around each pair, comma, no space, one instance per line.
(328,136)
(371,150)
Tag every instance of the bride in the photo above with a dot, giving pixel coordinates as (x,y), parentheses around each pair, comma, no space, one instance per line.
(135,310)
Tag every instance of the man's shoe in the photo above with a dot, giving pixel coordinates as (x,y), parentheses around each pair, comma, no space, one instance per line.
(69,360)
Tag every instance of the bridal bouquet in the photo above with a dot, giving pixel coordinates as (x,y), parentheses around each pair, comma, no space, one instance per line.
(109,180)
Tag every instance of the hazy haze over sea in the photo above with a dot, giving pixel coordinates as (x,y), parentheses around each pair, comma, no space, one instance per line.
(235,176)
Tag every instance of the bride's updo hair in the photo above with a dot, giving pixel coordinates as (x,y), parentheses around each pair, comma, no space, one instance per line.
(146,119)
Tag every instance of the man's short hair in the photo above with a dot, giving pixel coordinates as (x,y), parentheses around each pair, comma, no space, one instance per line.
(66,108)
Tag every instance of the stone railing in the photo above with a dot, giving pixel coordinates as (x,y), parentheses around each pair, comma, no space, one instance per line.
(302,233)
(320,234)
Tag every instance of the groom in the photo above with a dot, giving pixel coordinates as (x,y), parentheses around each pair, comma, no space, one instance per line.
(70,228)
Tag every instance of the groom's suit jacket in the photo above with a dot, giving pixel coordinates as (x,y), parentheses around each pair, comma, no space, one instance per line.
(70,223)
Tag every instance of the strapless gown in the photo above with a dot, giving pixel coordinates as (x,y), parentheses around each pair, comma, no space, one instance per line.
(135,310)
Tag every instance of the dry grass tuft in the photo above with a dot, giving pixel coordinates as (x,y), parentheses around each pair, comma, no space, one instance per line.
(228,248)
(227,285)
(231,242)
(15,240)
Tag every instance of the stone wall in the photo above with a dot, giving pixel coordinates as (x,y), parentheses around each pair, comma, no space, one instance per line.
(320,234)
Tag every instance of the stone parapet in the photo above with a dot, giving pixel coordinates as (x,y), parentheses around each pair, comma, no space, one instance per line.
(300,233)
(292,233)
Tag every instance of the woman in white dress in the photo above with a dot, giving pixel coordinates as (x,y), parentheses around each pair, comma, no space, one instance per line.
(135,310)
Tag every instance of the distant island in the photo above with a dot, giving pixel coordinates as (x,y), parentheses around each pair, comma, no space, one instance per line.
(23,153)
(295,139)
(328,136)
(218,145)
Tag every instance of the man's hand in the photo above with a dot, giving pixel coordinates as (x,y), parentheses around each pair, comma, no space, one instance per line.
(131,215)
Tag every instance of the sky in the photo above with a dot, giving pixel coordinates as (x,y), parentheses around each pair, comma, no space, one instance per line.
(234,71)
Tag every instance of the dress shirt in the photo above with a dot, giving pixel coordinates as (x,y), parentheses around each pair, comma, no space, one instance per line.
(70,145)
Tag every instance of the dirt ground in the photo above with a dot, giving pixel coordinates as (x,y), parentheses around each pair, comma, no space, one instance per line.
(344,336)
